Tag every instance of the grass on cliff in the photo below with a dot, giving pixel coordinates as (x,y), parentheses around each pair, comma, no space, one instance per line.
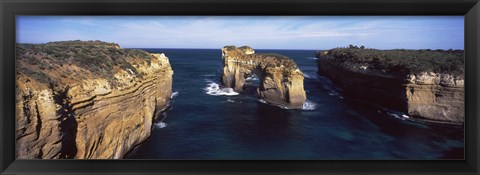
(400,61)
(280,60)
(95,56)
(277,60)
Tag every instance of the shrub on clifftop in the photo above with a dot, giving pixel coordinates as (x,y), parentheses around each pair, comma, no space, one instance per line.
(400,61)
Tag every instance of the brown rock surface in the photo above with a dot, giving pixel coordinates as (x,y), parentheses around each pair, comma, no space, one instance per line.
(86,100)
(281,81)
(428,96)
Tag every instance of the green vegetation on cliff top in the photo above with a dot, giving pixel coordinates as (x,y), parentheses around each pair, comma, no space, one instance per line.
(95,56)
(399,61)
(277,60)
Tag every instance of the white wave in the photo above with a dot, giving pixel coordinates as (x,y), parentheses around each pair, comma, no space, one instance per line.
(308,105)
(160,125)
(230,100)
(334,93)
(330,87)
(214,89)
(309,76)
(396,114)
(312,58)
(208,75)
(252,77)
(174,94)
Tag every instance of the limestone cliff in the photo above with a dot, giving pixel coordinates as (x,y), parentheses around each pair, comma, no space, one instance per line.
(281,81)
(423,95)
(86,100)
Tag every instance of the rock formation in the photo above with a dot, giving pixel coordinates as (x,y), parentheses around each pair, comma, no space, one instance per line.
(86,100)
(281,81)
(427,96)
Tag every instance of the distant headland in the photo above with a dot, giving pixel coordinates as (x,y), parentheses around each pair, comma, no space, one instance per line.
(425,84)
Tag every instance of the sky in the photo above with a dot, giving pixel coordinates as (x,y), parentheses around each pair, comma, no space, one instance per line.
(259,32)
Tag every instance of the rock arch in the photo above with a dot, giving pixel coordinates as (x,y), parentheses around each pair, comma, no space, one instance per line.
(281,81)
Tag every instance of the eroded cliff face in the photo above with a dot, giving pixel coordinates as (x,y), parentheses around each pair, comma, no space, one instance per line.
(67,107)
(439,97)
(427,96)
(281,81)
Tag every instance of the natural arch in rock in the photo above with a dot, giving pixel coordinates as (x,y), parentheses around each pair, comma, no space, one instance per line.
(281,81)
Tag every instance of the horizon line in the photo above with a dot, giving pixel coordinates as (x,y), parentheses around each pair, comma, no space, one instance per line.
(284,49)
(253,48)
(208,48)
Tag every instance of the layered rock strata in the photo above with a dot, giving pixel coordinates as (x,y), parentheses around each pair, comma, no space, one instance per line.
(86,100)
(281,81)
(427,96)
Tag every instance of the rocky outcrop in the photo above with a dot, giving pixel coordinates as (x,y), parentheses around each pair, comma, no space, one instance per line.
(281,81)
(427,96)
(439,97)
(86,100)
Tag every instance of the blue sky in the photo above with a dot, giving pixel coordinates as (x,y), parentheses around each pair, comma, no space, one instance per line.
(260,32)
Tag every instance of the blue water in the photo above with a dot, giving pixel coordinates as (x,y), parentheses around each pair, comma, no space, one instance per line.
(202,126)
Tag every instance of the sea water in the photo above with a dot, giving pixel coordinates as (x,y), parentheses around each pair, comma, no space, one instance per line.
(208,121)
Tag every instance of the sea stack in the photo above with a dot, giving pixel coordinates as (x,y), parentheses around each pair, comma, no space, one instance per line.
(86,99)
(281,81)
(426,85)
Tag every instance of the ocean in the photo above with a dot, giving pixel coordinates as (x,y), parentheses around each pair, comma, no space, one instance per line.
(208,122)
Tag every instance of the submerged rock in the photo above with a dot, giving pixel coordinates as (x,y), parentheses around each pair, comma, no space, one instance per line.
(281,81)
(87,100)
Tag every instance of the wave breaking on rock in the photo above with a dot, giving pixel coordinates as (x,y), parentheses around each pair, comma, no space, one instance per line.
(215,90)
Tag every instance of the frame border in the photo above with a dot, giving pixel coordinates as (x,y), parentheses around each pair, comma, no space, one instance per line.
(10,8)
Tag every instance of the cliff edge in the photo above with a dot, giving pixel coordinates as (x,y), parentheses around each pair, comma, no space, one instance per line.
(425,84)
(86,99)
(281,81)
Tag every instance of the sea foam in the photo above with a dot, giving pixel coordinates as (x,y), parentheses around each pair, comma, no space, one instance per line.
(328,85)
(214,89)
(160,125)
(309,76)
(394,113)
(174,94)
(262,101)
(308,105)
(252,78)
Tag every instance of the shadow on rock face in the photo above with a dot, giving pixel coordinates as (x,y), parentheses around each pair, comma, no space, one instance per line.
(281,81)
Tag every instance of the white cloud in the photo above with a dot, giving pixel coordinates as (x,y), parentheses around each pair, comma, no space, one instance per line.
(269,32)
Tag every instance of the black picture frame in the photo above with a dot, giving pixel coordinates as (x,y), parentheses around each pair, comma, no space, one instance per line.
(10,8)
